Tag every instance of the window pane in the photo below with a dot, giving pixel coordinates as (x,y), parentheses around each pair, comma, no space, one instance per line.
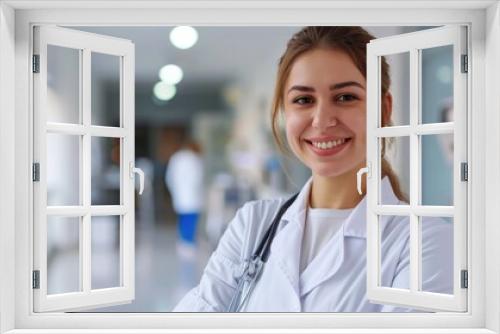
(437,254)
(106,157)
(105,89)
(437,84)
(105,252)
(63,254)
(395,251)
(401,91)
(63,169)
(63,84)
(397,157)
(437,169)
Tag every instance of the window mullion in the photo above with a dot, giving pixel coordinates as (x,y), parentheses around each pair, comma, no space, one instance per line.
(415,171)
(85,236)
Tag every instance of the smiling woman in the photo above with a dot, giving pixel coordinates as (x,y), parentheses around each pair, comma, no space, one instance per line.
(309,253)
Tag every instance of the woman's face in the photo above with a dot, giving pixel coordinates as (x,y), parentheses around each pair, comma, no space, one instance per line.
(325,112)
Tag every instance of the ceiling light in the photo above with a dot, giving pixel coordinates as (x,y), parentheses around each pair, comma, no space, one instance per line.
(164,91)
(170,74)
(183,37)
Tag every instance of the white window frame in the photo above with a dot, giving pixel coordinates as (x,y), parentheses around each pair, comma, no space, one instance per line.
(16,20)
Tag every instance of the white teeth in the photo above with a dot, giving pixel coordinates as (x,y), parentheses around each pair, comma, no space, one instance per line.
(328,144)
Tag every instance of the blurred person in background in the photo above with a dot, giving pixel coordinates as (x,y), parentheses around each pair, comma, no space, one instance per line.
(307,253)
(184,180)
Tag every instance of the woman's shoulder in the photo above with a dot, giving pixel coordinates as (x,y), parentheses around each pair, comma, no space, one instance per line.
(258,214)
(263,207)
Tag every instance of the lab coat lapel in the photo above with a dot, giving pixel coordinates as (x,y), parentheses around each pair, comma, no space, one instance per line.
(286,246)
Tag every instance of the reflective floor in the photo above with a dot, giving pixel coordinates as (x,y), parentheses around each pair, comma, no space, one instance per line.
(165,269)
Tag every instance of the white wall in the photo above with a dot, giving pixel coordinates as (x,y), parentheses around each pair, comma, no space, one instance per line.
(6,168)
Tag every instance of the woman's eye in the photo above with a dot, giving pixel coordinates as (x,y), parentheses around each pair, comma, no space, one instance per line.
(302,100)
(346,98)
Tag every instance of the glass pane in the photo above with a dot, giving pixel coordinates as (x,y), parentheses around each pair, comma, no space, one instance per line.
(437,254)
(63,84)
(105,252)
(437,84)
(105,89)
(395,251)
(63,169)
(437,169)
(63,254)
(397,159)
(399,89)
(106,158)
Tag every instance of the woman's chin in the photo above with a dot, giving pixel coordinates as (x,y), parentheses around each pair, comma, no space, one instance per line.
(328,173)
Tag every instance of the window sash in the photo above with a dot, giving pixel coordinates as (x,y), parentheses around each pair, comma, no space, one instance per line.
(412,43)
(86,43)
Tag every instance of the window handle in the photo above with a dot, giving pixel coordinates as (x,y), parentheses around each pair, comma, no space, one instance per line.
(134,170)
(364,170)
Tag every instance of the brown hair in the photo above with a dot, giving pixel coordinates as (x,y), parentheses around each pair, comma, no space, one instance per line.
(352,41)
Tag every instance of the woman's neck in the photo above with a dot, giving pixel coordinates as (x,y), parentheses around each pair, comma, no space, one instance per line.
(335,193)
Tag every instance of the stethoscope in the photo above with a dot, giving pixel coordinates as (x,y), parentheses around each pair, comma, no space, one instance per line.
(253,267)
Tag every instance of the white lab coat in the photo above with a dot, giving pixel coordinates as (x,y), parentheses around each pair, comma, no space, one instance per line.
(184,179)
(335,280)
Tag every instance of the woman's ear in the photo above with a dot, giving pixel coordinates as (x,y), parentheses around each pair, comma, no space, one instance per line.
(387,108)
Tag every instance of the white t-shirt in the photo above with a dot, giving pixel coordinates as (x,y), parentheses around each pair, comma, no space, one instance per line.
(320,226)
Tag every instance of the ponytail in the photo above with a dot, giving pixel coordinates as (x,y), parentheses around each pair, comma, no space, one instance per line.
(393,178)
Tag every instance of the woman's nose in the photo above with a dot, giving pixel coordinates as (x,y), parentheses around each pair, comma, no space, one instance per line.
(324,117)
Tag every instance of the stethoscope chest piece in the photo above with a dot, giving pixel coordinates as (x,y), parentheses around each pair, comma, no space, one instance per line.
(246,284)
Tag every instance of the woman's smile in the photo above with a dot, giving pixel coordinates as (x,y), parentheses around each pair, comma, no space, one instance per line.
(327,146)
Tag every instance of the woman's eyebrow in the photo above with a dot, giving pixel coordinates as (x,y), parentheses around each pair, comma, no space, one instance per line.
(346,84)
(332,87)
(301,88)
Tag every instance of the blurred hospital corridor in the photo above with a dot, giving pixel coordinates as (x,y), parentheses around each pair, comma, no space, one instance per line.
(215,93)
